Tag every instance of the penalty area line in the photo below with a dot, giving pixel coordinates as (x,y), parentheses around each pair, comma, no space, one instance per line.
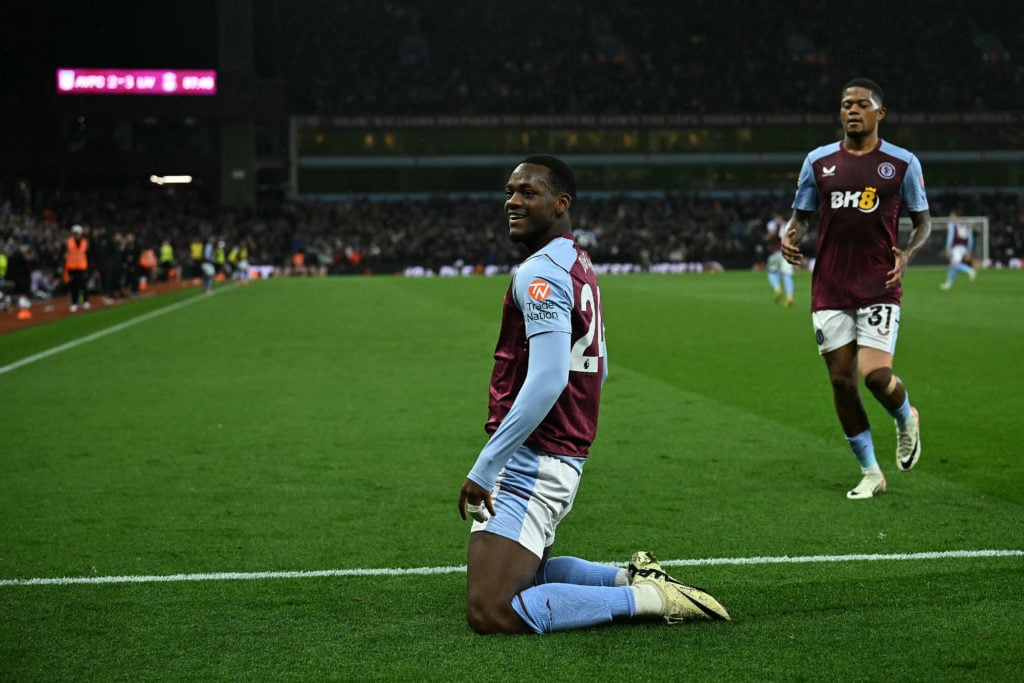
(427,571)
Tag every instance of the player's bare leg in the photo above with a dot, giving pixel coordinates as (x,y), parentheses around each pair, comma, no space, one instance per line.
(842,366)
(842,373)
(879,379)
(889,390)
(498,568)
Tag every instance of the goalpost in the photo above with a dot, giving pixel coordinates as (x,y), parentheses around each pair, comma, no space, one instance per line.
(934,251)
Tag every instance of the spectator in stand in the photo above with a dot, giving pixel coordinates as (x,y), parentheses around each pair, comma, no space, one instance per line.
(298,263)
(19,271)
(107,251)
(130,264)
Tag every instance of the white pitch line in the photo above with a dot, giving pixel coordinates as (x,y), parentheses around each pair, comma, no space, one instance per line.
(103,333)
(807,559)
(423,571)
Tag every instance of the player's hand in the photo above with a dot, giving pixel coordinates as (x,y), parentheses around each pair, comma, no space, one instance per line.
(791,248)
(898,269)
(476,495)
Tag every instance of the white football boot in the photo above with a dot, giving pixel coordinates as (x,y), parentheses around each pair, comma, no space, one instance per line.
(908,442)
(872,483)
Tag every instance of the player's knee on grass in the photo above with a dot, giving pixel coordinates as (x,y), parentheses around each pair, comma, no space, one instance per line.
(486,615)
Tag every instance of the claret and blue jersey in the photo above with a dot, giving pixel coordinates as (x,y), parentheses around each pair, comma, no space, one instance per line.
(554,290)
(858,199)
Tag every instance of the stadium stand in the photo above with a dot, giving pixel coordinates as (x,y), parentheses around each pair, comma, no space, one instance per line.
(587,58)
(654,57)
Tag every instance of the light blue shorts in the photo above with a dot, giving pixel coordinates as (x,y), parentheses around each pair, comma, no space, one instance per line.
(777,263)
(533,493)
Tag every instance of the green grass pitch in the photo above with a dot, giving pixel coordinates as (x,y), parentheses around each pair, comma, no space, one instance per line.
(313,425)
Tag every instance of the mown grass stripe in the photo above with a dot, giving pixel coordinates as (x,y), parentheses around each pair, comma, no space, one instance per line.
(99,334)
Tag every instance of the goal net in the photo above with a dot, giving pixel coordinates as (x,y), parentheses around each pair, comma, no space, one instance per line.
(934,251)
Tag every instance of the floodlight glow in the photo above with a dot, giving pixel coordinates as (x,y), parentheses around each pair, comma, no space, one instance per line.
(170,179)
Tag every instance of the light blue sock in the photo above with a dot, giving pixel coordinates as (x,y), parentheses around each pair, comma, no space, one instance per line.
(787,281)
(902,414)
(576,571)
(563,606)
(863,448)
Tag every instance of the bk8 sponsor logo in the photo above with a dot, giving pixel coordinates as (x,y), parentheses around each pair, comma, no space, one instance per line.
(865,200)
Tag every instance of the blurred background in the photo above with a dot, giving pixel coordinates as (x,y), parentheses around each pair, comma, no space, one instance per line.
(376,136)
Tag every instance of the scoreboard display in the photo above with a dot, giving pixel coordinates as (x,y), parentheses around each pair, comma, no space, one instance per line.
(91,81)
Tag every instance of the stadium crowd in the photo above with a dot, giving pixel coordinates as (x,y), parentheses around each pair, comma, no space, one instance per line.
(387,237)
(586,57)
(569,57)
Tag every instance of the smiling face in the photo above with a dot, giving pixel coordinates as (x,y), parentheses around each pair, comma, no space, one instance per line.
(859,112)
(536,210)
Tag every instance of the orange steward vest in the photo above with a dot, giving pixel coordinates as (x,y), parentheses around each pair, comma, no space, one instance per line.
(76,258)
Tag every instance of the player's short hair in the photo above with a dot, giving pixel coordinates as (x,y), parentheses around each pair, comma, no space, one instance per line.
(867,84)
(559,174)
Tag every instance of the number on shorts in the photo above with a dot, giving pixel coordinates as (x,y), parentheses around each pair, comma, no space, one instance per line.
(875,319)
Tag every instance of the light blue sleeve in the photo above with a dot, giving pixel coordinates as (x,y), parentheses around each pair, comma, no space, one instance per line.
(806,198)
(950,231)
(544,310)
(546,379)
(912,189)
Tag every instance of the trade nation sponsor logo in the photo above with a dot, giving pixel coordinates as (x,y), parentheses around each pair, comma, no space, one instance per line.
(539,290)
(539,308)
